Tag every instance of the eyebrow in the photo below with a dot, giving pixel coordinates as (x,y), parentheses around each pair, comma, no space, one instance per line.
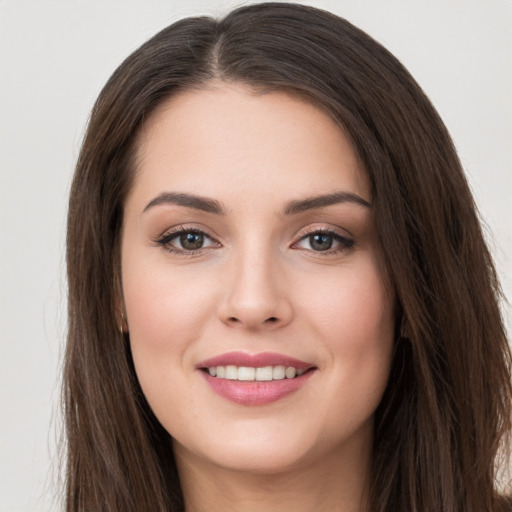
(293,207)
(316,202)
(189,201)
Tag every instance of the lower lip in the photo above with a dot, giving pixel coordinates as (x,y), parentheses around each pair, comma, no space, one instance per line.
(256,392)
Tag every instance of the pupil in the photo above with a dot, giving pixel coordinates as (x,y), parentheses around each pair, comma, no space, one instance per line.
(191,241)
(321,242)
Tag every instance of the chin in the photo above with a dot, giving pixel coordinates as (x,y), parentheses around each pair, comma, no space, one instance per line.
(257,450)
(260,461)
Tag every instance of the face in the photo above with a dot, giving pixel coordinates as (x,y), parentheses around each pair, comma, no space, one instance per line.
(260,323)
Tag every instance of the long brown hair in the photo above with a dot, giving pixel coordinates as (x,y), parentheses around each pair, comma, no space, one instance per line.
(446,413)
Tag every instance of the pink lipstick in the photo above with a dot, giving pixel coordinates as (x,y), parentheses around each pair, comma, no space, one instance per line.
(257,379)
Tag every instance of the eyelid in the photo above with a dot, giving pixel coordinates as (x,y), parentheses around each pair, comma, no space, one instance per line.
(169,234)
(323,228)
(345,240)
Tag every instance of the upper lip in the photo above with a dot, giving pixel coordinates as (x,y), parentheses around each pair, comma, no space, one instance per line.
(254,360)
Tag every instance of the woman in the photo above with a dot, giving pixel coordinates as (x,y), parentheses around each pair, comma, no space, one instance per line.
(279,293)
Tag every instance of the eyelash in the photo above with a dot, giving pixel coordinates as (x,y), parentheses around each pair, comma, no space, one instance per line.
(166,239)
(345,243)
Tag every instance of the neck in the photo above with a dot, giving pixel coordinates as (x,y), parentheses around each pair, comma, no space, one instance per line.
(336,483)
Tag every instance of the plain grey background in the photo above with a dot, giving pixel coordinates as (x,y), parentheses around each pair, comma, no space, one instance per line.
(54,58)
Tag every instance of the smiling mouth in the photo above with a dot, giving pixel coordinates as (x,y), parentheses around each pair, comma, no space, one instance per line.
(255,379)
(259,374)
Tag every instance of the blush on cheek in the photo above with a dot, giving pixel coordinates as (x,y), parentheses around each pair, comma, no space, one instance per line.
(145,320)
(359,305)
(162,305)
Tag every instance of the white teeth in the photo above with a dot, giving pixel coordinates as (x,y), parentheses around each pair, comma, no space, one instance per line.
(231,373)
(278,372)
(264,373)
(245,373)
(290,372)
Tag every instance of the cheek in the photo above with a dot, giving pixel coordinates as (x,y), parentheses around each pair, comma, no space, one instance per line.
(354,317)
(353,309)
(164,306)
(166,310)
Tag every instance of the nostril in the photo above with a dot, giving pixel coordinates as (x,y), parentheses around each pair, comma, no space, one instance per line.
(233,320)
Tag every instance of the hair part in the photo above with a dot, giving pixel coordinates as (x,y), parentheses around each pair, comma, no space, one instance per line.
(446,410)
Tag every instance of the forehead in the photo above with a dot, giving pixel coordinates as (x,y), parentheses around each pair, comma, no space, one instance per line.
(229,139)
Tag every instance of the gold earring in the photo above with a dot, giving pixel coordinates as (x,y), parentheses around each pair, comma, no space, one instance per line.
(122,325)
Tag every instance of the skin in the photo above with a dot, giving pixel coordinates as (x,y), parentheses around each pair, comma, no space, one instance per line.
(258,284)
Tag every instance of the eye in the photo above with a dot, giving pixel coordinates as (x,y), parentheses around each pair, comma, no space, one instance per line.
(324,241)
(185,240)
(191,241)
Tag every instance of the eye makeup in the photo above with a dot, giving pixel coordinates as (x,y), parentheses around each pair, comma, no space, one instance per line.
(186,240)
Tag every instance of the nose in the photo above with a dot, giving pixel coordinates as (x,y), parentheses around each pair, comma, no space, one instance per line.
(255,294)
